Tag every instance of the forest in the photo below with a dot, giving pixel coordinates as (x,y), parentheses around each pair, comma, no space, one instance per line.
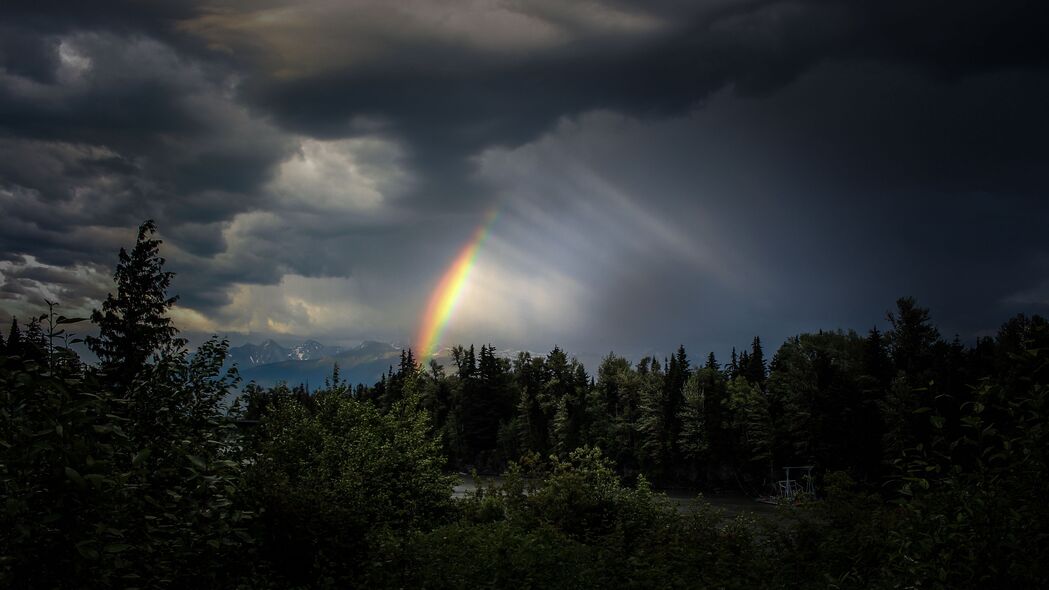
(929,461)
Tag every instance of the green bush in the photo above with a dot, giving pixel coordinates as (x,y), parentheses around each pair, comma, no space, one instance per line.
(340,480)
(91,500)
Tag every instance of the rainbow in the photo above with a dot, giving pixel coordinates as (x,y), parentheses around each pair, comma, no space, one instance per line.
(446,294)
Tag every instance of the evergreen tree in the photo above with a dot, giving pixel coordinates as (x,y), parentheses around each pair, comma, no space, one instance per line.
(916,349)
(715,421)
(34,344)
(609,384)
(558,373)
(652,427)
(486,403)
(752,424)
(408,366)
(471,363)
(712,363)
(911,338)
(617,393)
(693,442)
(564,441)
(336,382)
(133,325)
(570,420)
(876,362)
(399,382)
(732,370)
(678,372)
(755,370)
(532,419)
(14,338)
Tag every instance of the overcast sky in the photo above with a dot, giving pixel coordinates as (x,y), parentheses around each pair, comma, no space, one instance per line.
(665,172)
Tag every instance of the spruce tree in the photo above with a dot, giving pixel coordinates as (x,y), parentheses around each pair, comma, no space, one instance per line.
(911,338)
(876,362)
(133,325)
(693,440)
(674,384)
(755,369)
(733,365)
(14,338)
(34,344)
(471,363)
(712,363)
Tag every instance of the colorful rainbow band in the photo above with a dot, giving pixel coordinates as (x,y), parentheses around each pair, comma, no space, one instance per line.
(446,294)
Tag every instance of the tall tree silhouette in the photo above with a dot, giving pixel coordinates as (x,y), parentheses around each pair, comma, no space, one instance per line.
(133,325)
(14,338)
(876,362)
(755,370)
(712,363)
(912,337)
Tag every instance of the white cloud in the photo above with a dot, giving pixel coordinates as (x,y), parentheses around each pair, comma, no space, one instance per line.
(331,308)
(342,176)
(509,304)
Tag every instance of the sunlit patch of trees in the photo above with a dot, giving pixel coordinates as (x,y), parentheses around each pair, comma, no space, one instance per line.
(930,460)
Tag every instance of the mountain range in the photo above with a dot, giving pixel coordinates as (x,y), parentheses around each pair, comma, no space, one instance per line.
(253,355)
(311,362)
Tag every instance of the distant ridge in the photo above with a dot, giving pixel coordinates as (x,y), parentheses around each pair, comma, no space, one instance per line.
(253,355)
(311,362)
(269,363)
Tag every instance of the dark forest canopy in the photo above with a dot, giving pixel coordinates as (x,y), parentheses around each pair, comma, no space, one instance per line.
(836,400)
(928,457)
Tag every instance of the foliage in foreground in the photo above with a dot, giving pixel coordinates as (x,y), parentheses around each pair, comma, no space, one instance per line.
(573,524)
(339,481)
(91,497)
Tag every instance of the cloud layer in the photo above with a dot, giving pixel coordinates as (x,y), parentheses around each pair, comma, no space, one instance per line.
(663,173)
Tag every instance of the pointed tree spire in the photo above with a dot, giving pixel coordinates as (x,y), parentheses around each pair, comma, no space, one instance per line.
(14,338)
(133,325)
(712,362)
(755,369)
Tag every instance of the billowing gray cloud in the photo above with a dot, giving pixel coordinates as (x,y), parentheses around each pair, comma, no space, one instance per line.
(663,173)
(451,95)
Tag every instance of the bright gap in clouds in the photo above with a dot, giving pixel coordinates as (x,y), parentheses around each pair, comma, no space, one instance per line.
(349,176)
(568,239)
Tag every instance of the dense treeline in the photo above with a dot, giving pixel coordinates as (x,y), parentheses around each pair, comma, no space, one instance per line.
(835,400)
(131,473)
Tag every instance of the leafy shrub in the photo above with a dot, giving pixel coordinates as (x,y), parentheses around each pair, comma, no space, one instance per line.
(342,478)
(91,499)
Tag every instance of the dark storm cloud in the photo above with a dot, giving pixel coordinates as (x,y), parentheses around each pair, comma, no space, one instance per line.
(125,129)
(898,123)
(826,201)
(450,100)
(26,53)
(46,19)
